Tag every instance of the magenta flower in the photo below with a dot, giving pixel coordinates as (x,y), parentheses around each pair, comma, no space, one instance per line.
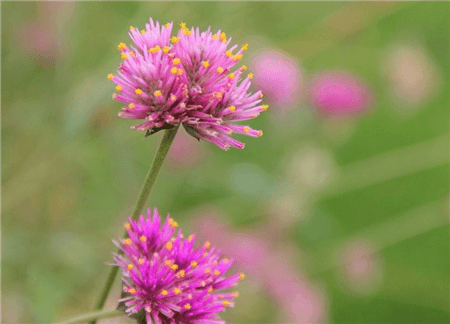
(168,278)
(279,76)
(186,79)
(339,93)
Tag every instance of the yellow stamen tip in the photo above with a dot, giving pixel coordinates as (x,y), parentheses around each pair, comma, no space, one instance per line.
(265,107)
(260,96)
(141,261)
(131,27)
(121,46)
(226,303)
(246,129)
(173,70)
(194,264)
(138,91)
(223,35)
(205,64)
(250,76)
(207,270)
(260,133)
(128,241)
(245,47)
(143,238)
(157,93)
(176,291)
(207,243)
(174,39)
(220,69)
(231,76)
(164,292)
(174,267)
(167,25)
(183,25)
(143,31)
(176,61)
(110,76)
(118,88)
(131,106)
(216,272)
(169,245)
(235,294)
(166,49)
(123,56)
(214,36)
(243,67)
(218,95)
(228,53)
(187,306)
(232,108)
(238,57)
(242,276)
(210,289)
(127,225)
(132,291)
(130,266)
(180,72)
(224,40)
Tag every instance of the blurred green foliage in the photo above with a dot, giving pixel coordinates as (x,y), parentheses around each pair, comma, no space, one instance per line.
(71,169)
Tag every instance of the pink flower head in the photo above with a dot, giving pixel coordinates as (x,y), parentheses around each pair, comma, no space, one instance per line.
(186,79)
(279,76)
(168,278)
(339,93)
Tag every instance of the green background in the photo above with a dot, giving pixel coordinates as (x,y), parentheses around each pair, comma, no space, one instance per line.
(71,169)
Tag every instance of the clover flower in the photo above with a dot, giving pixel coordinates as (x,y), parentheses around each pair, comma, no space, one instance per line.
(187,79)
(170,279)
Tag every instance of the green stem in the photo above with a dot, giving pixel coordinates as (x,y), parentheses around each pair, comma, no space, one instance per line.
(93,316)
(149,182)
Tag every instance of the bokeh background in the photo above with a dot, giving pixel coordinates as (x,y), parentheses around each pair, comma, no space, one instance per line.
(338,214)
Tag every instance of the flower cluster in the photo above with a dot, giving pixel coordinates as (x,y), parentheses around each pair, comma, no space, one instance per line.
(186,79)
(170,279)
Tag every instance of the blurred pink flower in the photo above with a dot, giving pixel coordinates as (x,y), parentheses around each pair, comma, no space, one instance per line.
(339,93)
(360,266)
(39,40)
(279,77)
(185,153)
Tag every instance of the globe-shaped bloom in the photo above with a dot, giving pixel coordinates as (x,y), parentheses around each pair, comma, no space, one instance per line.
(169,278)
(187,79)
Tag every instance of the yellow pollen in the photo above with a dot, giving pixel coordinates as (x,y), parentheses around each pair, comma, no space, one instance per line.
(265,107)
(205,64)
(174,39)
(181,273)
(131,27)
(250,76)
(186,32)
(110,76)
(207,270)
(210,289)
(167,262)
(130,266)
(260,133)
(244,47)
(226,260)
(220,69)
(123,56)
(228,53)
(207,243)
(142,238)
(242,276)
(141,261)
(174,267)
(187,306)
(231,76)
(132,291)
(121,46)
(167,25)
(232,108)
(164,292)
(132,54)
(176,61)
(169,245)
(138,91)
(157,93)
(238,57)
(226,303)
(127,241)
(166,49)
(176,291)
(131,106)
(157,48)
(223,35)
(260,96)
(143,31)
(127,225)
(214,36)
(183,25)
(246,129)
(218,95)
(235,294)
(194,264)
(173,97)
(243,67)
(180,72)
(216,272)
(190,238)
(173,70)
(224,40)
